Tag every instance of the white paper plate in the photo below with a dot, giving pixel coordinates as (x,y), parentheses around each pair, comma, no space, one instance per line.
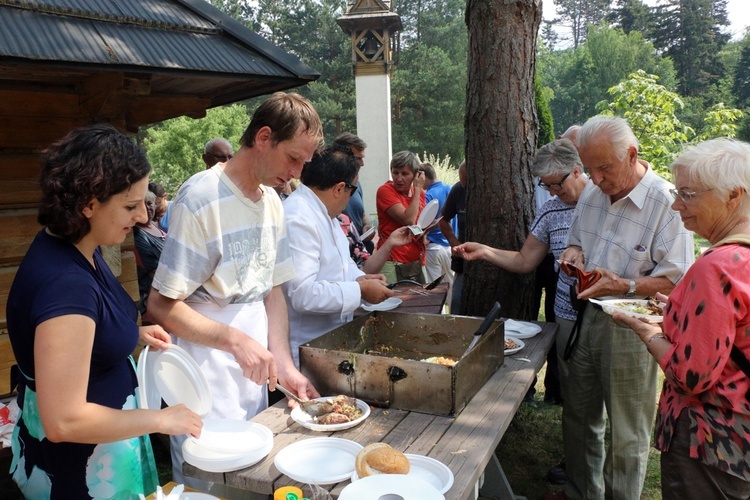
(427,469)
(217,461)
(429,213)
(612,306)
(517,341)
(148,394)
(179,379)
(521,329)
(400,486)
(309,422)
(386,305)
(318,460)
(238,437)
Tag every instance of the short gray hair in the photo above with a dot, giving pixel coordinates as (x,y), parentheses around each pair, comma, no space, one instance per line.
(614,128)
(405,159)
(719,164)
(557,157)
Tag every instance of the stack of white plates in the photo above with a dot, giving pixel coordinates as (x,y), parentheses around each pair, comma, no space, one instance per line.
(224,445)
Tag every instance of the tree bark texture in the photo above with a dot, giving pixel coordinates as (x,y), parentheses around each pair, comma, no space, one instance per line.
(501,132)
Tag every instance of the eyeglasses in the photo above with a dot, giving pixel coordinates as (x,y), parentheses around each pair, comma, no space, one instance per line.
(221,157)
(351,188)
(553,185)
(686,196)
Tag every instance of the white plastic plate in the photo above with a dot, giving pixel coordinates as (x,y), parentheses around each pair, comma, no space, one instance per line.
(517,341)
(427,469)
(626,307)
(429,213)
(148,395)
(232,436)
(386,305)
(309,422)
(179,380)
(321,460)
(394,486)
(217,461)
(521,329)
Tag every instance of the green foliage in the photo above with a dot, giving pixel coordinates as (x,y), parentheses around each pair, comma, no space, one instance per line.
(633,15)
(741,84)
(689,31)
(579,16)
(174,147)
(580,78)
(443,169)
(651,110)
(543,114)
(719,121)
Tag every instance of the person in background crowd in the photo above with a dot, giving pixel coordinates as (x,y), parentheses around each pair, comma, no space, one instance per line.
(161,202)
(623,227)
(217,150)
(703,422)
(218,285)
(73,327)
(560,172)
(438,257)
(284,190)
(455,208)
(355,209)
(399,203)
(149,242)
(328,286)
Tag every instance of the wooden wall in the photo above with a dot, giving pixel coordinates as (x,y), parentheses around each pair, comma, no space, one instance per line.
(31,120)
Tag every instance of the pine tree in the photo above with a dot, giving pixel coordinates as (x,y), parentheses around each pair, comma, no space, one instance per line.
(633,15)
(689,31)
(741,88)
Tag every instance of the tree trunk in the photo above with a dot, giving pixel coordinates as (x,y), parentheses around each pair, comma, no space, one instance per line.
(501,133)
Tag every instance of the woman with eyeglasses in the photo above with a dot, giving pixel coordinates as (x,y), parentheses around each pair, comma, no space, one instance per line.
(703,420)
(399,203)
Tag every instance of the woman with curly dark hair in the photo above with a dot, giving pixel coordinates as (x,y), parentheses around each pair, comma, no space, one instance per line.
(73,327)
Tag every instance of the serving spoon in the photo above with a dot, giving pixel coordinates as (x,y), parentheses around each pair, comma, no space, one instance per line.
(311,407)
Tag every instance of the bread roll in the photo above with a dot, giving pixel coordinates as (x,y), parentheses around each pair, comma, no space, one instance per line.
(380,458)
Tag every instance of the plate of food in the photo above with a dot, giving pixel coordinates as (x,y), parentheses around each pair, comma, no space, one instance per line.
(377,459)
(521,329)
(513,345)
(650,310)
(386,305)
(440,360)
(347,412)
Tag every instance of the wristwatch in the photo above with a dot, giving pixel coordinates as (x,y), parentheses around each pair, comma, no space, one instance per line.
(631,291)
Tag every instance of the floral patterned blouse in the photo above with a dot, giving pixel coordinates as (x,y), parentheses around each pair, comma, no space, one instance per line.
(708,312)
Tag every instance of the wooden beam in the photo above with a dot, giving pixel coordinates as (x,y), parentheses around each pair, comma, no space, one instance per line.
(146,110)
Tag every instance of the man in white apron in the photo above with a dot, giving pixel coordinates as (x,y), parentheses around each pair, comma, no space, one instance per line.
(218,285)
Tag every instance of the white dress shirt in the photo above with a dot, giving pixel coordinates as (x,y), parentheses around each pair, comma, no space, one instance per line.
(323,294)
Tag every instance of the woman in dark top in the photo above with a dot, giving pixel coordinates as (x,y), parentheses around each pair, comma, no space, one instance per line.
(73,327)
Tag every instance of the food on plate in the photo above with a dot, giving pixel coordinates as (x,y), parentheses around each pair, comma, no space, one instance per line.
(381,458)
(511,344)
(440,360)
(344,410)
(650,308)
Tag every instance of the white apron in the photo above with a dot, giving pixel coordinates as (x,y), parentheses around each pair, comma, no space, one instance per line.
(233,395)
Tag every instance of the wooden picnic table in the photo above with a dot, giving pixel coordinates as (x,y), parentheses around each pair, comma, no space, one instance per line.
(466,443)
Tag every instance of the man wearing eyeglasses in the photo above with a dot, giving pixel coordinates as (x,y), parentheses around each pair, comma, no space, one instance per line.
(217,150)
(328,286)
(625,228)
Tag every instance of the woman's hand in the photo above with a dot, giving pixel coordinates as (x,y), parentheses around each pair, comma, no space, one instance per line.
(470,251)
(641,327)
(179,419)
(154,336)
(419,180)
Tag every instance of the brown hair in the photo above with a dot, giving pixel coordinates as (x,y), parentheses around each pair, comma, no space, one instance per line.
(285,115)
